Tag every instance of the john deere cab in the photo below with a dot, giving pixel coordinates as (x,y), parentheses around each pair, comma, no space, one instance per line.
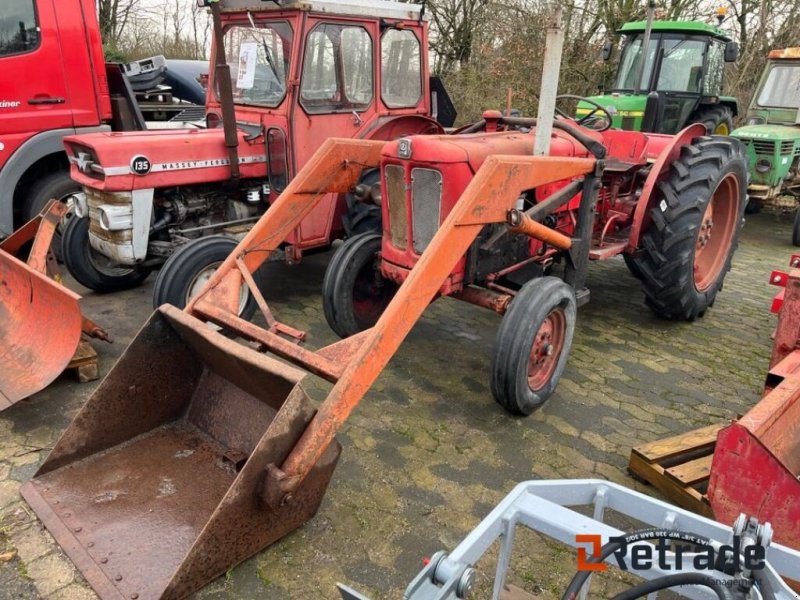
(669,75)
(772,136)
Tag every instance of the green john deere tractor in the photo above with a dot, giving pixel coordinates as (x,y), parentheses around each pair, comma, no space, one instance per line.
(669,75)
(772,137)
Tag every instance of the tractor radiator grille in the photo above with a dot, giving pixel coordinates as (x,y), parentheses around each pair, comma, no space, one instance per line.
(763,147)
(426,200)
(398,215)
(788,149)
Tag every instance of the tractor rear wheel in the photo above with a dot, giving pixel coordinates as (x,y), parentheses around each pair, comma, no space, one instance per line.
(190,267)
(90,268)
(694,228)
(532,345)
(354,293)
(717,119)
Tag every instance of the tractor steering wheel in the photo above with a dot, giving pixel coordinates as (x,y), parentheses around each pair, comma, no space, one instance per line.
(590,117)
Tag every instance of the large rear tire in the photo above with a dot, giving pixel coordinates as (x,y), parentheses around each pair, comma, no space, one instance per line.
(533,344)
(717,119)
(190,267)
(695,223)
(354,293)
(90,268)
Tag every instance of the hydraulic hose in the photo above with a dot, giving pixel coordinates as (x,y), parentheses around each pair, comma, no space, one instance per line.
(662,583)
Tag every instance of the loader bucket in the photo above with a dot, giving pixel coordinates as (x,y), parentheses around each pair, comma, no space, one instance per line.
(157,486)
(40,328)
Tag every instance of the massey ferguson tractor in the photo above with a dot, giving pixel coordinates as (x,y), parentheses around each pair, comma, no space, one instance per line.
(288,76)
(221,413)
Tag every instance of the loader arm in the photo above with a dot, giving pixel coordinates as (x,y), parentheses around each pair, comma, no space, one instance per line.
(355,363)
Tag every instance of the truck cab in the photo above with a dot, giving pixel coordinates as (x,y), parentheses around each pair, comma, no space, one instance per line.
(46,94)
(670,80)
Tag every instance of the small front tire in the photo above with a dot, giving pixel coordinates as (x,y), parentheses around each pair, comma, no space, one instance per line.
(190,267)
(90,268)
(533,344)
(354,293)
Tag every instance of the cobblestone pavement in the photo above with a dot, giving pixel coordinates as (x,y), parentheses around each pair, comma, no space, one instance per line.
(428,452)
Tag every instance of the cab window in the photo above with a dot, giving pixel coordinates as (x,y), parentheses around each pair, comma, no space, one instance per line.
(715,68)
(18,29)
(258,58)
(337,69)
(681,66)
(401,69)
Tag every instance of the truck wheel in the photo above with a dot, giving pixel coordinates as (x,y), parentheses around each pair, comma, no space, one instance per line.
(354,293)
(694,228)
(796,229)
(532,345)
(717,119)
(90,268)
(53,185)
(190,267)
(363,217)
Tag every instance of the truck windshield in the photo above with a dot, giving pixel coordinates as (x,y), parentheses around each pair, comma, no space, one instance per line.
(782,87)
(259,61)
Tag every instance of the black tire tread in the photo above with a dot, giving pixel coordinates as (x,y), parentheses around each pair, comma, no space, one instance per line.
(711,116)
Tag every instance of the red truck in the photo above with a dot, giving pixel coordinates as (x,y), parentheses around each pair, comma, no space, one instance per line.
(54,83)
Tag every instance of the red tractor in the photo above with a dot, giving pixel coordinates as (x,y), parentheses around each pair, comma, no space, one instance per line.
(288,76)
(671,205)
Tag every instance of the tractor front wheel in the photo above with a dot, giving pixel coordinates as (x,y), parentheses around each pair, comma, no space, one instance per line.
(532,345)
(354,293)
(717,119)
(363,217)
(697,214)
(191,266)
(90,268)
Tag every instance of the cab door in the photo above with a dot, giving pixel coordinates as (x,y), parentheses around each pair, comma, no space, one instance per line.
(336,98)
(33,92)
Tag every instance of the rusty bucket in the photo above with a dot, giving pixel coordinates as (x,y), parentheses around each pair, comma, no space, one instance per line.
(158,485)
(40,320)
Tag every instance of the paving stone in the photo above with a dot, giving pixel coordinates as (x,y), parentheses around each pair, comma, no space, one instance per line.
(50,573)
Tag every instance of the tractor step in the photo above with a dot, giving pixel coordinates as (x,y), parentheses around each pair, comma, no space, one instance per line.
(679,467)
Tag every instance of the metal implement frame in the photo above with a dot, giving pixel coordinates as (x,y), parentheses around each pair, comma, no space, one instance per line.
(353,364)
(542,506)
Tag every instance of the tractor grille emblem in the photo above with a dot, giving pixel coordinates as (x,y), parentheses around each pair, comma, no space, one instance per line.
(404,148)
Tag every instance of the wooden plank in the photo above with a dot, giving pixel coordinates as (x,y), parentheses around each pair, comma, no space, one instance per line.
(684,496)
(692,472)
(84,363)
(675,446)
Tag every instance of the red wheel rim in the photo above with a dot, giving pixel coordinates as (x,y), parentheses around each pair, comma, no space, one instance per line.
(371,295)
(546,349)
(715,236)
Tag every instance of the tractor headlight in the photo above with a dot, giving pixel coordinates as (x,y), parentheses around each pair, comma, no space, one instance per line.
(115,218)
(79,204)
(763,165)
(756,121)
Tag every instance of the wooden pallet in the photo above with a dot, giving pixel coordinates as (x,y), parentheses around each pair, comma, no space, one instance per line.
(84,363)
(679,467)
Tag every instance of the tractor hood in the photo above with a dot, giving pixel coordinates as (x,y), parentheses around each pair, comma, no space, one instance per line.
(767,132)
(475,148)
(157,159)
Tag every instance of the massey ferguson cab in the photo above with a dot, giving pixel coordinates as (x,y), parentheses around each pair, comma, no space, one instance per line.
(54,83)
(288,76)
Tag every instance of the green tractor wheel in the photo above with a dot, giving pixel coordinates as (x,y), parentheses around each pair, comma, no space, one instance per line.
(717,119)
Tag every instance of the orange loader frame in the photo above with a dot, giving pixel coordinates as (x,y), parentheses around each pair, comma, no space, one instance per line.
(353,364)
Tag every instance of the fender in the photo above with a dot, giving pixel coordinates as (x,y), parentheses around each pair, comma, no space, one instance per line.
(668,155)
(34,149)
(388,128)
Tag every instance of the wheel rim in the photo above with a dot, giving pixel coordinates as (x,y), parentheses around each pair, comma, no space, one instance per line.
(721,129)
(199,281)
(371,294)
(548,344)
(715,236)
(104,265)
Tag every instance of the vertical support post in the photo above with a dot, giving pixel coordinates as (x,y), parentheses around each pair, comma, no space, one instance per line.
(507,545)
(577,259)
(222,78)
(547,93)
(651,12)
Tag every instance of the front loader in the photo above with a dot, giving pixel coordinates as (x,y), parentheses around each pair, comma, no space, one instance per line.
(197,451)
(40,319)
